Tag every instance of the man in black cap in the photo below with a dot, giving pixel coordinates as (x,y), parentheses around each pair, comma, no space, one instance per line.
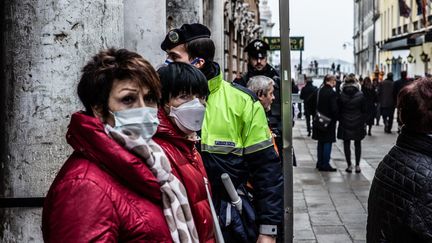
(257,65)
(233,141)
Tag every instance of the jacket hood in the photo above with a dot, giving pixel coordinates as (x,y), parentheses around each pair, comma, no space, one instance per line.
(350,88)
(167,130)
(86,134)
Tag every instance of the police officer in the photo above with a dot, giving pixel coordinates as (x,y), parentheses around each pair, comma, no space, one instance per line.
(257,65)
(235,139)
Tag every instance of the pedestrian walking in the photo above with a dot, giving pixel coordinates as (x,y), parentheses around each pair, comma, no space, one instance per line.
(399,205)
(370,95)
(306,94)
(387,102)
(295,90)
(106,190)
(352,113)
(181,113)
(326,99)
(235,140)
(398,85)
(315,63)
(376,83)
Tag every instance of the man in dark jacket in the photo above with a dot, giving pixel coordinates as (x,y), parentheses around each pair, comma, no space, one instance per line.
(387,102)
(239,145)
(309,104)
(258,65)
(399,204)
(397,86)
(326,99)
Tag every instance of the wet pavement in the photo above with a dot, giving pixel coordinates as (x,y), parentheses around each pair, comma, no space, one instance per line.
(331,207)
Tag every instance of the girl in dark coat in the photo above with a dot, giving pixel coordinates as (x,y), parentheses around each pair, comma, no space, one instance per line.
(399,205)
(370,95)
(351,119)
(326,105)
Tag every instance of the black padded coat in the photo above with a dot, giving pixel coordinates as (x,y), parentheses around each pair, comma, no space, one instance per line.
(400,198)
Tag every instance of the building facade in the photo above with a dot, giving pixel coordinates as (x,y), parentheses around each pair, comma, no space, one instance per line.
(402,37)
(241,25)
(365,16)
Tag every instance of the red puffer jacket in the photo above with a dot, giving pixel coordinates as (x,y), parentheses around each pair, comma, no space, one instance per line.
(187,165)
(102,193)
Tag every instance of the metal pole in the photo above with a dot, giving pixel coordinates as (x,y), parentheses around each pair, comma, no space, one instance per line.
(286,119)
(301,62)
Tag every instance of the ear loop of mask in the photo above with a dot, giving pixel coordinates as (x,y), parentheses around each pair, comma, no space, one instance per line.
(195,61)
(168,61)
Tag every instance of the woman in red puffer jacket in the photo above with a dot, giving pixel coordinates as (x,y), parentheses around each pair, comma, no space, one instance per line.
(104,193)
(181,113)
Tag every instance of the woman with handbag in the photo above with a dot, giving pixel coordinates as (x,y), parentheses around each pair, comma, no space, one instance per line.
(324,123)
(352,116)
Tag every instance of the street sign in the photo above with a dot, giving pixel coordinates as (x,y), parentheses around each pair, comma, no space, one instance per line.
(297,43)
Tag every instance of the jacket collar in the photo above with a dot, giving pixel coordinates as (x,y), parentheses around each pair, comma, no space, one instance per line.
(215,83)
(419,142)
(86,134)
(167,130)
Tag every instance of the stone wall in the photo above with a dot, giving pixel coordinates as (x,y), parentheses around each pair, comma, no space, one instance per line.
(44,45)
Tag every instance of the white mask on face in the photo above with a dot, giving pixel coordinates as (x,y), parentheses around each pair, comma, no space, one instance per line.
(188,116)
(141,121)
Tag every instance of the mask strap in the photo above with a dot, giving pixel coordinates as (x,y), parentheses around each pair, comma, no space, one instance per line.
(195,61)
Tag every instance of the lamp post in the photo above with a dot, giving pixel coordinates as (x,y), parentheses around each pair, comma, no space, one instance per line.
(388,62)
(410,58)
(425,59)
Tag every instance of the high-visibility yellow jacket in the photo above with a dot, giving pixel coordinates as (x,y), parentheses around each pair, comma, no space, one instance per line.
(236,140)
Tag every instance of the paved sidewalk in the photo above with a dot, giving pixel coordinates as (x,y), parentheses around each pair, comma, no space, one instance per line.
(332,206)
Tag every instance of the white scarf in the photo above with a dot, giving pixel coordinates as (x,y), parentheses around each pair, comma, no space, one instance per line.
(176,207)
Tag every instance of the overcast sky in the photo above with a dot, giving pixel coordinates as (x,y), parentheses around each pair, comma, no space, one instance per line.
(325,24)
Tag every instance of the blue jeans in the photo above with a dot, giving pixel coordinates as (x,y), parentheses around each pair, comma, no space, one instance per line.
(324,151)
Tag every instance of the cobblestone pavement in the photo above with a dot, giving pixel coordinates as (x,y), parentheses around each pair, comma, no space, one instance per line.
(332,206)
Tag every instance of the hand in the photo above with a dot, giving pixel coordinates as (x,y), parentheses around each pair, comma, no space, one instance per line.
(266,239)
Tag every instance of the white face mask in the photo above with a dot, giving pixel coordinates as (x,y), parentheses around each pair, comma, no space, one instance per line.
(188,116)
(142,121)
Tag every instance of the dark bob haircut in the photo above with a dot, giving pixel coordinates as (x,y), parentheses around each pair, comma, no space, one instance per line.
(181,78)
(415,106)
(108,65)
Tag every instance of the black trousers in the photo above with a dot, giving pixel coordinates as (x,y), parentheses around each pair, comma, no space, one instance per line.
(308,117)
(387,115)
(357,150)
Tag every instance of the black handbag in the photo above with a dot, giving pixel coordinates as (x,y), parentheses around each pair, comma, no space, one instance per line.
(321,121)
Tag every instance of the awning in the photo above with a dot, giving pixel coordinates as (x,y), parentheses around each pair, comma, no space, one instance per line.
(410,40)
(404,43)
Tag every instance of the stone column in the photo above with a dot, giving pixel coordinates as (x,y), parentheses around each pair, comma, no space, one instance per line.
(216,25)
(145,28)
(183,12)
(44,46)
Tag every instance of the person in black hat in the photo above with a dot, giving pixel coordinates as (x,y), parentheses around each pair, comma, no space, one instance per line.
(233,142)
(257,65)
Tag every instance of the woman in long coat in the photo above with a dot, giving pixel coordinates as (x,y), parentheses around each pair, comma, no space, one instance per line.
(326,105)
(352,110)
